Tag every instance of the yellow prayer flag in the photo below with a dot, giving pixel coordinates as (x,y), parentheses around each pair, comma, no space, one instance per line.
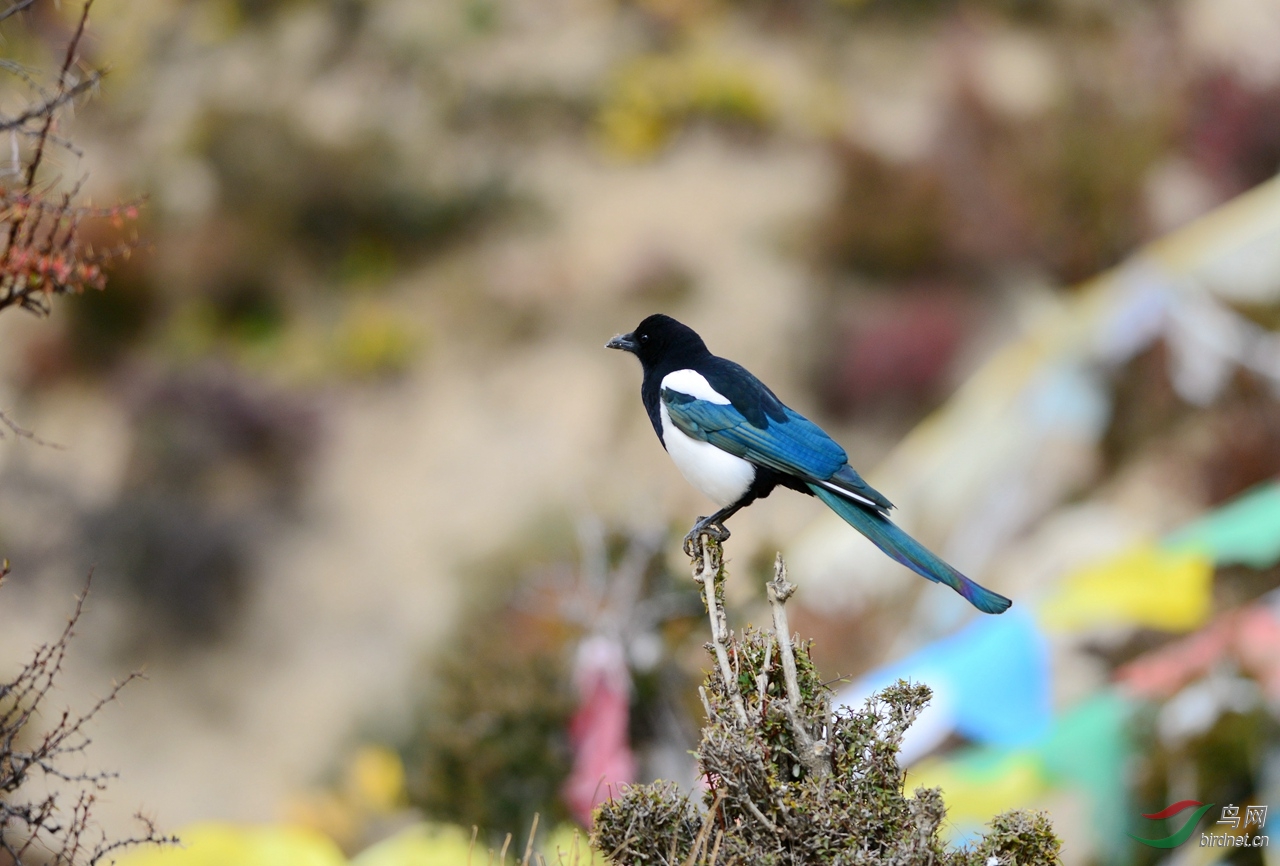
(427,845)
(1145,586)
(216,844)
(977,790)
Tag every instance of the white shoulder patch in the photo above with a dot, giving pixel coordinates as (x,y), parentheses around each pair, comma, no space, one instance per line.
(694,384)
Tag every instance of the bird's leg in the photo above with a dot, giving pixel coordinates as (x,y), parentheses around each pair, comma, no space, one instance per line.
(712,526)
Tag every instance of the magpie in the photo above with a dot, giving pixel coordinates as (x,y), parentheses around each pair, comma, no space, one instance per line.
(734,440)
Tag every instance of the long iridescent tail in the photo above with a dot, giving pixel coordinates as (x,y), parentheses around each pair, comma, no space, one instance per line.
(887,536)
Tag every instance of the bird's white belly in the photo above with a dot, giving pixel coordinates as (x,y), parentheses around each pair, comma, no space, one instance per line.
(721,476)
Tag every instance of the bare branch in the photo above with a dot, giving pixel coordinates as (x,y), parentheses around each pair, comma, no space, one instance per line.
(19,71)
(709,572)
(762,679)
(73,49)
(16,8)
(24,433)
(814,753)
(41,825)
(46,109)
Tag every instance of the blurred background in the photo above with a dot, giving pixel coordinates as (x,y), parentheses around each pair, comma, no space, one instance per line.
(389,530)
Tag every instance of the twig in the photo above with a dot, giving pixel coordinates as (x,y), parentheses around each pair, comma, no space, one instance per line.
(759,816)
(700,841)
(73,48)
(24,433)
(45,109)
(16,8)
(708,572)
(59,824)
(528,848)
(813,754)
(715,849)
(779,590)
(762,681)
(706,704)
(622,846)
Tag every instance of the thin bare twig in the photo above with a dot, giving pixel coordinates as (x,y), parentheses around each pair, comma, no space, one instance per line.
(758,815)
(706,704)
(24,433)
(53,822)
(709,573)
(762,679)
(528,848)
(49,107)
(700,841)
(19,71)
(16,8)
(715,849)
(813,753)
(64,94)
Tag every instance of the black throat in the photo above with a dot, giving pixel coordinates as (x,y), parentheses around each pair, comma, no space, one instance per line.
(676,358)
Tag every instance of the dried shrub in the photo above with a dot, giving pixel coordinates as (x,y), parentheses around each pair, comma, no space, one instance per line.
(790,780)
(46,808)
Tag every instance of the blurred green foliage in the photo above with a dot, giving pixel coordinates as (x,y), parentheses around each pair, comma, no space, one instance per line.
(490,748)
(1224,764)
(652,96)
(336,202)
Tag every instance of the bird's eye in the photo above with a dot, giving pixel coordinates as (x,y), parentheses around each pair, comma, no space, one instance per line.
(644,338)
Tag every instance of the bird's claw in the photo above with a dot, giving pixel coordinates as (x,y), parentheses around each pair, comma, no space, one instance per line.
(715,531)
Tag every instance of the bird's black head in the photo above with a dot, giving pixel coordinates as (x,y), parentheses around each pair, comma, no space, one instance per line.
(659,338)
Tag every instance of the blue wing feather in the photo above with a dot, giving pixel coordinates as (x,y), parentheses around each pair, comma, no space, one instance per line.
(797,445)
(794,445)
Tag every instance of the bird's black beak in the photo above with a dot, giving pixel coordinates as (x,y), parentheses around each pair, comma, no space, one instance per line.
(625,342)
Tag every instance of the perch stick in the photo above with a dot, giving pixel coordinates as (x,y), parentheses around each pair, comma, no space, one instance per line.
(706,572)
(779,590)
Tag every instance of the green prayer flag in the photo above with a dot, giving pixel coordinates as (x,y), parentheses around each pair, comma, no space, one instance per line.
(1245,531)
